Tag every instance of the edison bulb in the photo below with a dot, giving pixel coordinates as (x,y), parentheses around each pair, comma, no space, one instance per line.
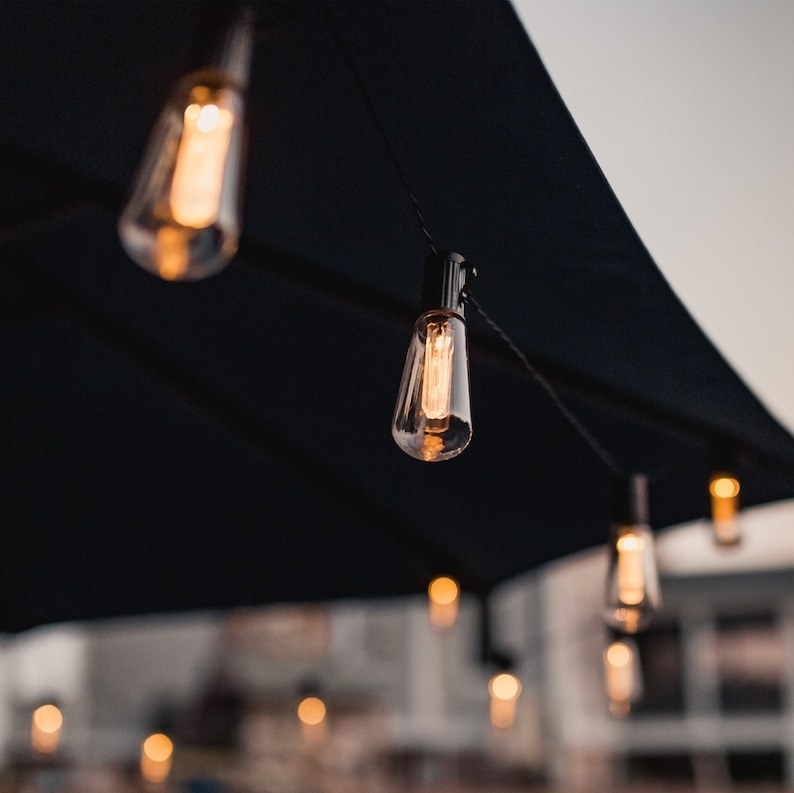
(633,595)
(182,221)
(183,217)
(432,418)
(632,591)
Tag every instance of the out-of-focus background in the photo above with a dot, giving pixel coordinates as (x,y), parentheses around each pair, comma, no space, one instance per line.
(687,108)
(407,706)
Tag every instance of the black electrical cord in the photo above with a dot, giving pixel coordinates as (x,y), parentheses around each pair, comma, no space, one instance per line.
(381,130)
(605,457)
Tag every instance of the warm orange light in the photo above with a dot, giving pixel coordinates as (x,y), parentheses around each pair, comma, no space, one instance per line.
(171,252)
(620,674)
(443,590)
(311,710)
(158,747)
(631,574)
(504,686)
(628,619)
(437,382)
(619,654)
(201,161)
(724,492)
(444,598)
(45,729)
(48,718)
(156,757)
(724,487)
(505,689)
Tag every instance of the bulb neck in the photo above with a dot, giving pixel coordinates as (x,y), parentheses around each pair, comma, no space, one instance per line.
(223,42)
(630,504)
(446,275)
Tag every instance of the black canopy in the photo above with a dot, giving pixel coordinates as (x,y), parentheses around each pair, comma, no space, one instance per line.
(170,446)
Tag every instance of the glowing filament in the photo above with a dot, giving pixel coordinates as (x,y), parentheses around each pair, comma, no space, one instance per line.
(45,729)
(631,575)
(505,689)
(200,164)
(444,598)
(156,757)
(437,381)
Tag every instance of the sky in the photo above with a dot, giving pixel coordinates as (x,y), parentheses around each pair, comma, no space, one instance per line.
(688,107)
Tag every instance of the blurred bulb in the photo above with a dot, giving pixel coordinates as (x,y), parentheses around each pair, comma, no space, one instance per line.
(622,677)
(311,710)
(197,184)
(312,715)
(632,592)
(156,758)
(631,574)
(633,581)
(444,601)
(45,729)
(724,491)
(504,689)
(182,221)
(432,417)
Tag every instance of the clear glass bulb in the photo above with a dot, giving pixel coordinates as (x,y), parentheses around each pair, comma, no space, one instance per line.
(182,221)
(432,418)
(632,596)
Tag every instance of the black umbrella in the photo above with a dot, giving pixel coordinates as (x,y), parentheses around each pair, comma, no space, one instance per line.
(172,446)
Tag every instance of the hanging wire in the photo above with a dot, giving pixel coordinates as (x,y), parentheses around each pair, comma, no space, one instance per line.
(466,294)
(605,457)
(370,107)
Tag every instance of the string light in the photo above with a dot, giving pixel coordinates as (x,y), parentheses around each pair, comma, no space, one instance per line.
(157,753)
(632,594)
(46,727)
(432,417)
(443,596)
(182,221)
(622,676)
(724,492)
(504,689)
(312,714)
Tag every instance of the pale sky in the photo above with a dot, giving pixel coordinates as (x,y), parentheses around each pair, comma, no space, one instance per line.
(688,107)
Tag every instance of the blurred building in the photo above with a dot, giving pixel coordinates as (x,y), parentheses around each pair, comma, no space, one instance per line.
(407,703)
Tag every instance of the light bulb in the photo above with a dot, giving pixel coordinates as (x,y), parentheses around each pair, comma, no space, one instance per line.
(504,689)
(432,418)
(182,221)
(311,710)
(46,727)
(724,492)
(443,595)
(632,593)
(622,676)
(312,714)
(156,758)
